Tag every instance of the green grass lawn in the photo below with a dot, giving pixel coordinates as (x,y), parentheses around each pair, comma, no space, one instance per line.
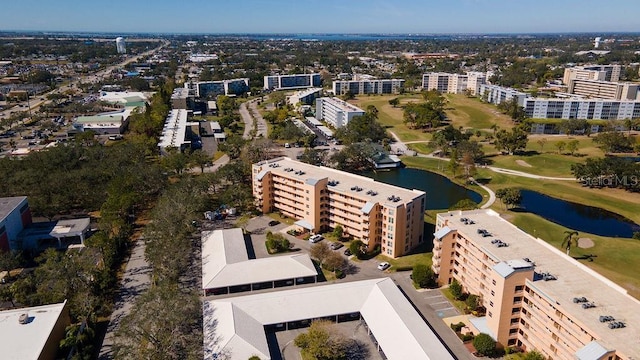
(391,117)
(618,201)
(472,113)
(545,160)
(616,259)
(420,256)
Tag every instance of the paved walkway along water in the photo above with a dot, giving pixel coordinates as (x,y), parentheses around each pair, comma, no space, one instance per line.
(135,281)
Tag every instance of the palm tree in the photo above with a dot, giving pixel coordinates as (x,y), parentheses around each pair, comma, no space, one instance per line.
(570,237)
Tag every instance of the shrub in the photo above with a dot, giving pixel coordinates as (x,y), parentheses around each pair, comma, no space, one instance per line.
(467,337)
(484,344)
(455,289)
(338,231)
(404,268)
(457,327)
(472,302)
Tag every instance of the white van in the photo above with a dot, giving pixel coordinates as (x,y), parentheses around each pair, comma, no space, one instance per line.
(286,145)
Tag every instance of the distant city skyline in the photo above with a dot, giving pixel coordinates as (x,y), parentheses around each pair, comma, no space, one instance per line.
(326,16)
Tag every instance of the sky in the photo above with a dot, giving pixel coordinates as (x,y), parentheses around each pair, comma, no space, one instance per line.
(321,16)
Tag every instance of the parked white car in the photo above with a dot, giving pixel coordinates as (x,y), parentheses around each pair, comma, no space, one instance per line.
(315,238)
(384,266)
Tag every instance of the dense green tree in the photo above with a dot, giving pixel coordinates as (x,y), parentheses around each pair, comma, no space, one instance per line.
(355,157)
(464,204)
(164,323)
(511,142)
(484,344)
(614,141)
(312,156)
(423,276)
(322,341)
(510,197)
(361,128)
(455,289)
(394,102)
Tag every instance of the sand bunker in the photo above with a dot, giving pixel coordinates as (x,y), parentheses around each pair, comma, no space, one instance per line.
(585,243)
(523,163)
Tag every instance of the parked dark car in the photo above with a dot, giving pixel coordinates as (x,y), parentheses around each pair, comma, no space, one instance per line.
(347,252)
(274,222)
(335,245)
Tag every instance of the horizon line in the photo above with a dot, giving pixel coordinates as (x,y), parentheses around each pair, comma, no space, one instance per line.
(320,33)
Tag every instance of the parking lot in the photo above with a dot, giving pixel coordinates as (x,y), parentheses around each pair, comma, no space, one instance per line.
(430,303)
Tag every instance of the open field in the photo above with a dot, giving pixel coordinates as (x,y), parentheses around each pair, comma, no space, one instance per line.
(471,113)
(392,117)
(616,259)
(545,160)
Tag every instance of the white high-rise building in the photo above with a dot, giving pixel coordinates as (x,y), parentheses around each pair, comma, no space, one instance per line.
(336,112)
(120,45)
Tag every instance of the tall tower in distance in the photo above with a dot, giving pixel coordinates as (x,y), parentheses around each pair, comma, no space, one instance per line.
(596,43)
(120,45)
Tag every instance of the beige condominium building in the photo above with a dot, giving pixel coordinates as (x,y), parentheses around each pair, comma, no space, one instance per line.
(321,198)
(603,89)
(536,296)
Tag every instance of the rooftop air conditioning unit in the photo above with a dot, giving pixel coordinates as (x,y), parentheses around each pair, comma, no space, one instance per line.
(23,319)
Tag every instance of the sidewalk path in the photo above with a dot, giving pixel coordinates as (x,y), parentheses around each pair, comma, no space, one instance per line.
(135,281)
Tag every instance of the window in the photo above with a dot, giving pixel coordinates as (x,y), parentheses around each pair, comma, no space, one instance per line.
(493,293)
(490,314)
(493,282)
(390,220)
(491,303)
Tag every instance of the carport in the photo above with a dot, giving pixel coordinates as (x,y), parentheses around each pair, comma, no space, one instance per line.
(226,267)
(304,225)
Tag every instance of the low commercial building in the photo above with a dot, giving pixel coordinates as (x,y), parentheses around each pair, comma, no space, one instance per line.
(603,89)
(304,97)
(33,333)
(103,124)
(322,198)
(372,86)
(294,81)
(237,327)
(495,94)
(554,108)
(226,267)
(336,112)
(15,215)
(536,296)
(453,83)
(59,234)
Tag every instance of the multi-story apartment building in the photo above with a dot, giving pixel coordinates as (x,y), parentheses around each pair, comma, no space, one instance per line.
(373,86)
(603,89)
(335,111)
(453,83)
(554,108)
(495,94)
(222,87)
(321,198)
(295,81)
(593,72)
(536,296)
(305,97)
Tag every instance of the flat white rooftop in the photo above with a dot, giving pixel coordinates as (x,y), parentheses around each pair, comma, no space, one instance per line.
(26,341)
(573,278)
(225,262)
(235,326)
(341,104)
(175,129)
